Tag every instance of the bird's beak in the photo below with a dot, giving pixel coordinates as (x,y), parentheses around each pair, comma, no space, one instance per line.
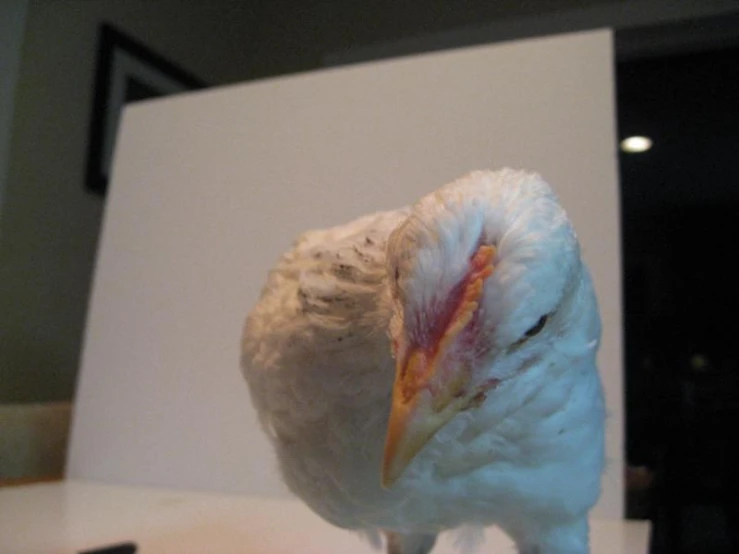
(416,417)
(417,412)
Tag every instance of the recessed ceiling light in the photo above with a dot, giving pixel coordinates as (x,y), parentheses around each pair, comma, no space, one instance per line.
(636,144)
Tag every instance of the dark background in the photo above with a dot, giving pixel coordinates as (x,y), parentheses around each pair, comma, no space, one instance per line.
(680,225)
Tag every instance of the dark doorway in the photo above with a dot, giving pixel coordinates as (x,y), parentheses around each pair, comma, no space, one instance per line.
(680,230)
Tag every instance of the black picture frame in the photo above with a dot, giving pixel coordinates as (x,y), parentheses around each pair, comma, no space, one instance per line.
(127,71)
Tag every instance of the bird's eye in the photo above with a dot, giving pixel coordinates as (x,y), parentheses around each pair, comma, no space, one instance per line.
(397,274)
(536,328)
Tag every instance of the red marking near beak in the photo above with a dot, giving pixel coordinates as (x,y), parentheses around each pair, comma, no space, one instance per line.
(417,411)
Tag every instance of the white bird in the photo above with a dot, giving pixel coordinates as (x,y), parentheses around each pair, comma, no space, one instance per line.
(434,367)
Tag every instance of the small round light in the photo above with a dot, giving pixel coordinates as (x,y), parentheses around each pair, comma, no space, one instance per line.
(634,145)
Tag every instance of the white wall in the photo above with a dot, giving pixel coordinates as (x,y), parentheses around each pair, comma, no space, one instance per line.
(12,25)
(209,189)
(49,222)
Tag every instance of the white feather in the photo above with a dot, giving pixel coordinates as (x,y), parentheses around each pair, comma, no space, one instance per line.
(317,357)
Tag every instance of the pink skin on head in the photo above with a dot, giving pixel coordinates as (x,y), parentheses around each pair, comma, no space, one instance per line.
(428,390)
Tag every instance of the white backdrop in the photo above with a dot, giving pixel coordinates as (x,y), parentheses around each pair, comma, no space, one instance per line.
(209,188)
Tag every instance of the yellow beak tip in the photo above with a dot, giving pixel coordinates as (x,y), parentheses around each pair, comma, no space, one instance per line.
(387,482)
(390,473)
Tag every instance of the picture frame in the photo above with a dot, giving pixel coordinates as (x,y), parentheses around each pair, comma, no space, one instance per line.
(126,71)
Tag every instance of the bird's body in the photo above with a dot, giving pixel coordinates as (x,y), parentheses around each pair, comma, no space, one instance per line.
(472,308)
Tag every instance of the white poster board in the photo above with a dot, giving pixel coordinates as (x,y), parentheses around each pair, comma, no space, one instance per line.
(208,190)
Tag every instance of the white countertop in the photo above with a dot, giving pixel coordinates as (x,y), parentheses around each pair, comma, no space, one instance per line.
(69,516)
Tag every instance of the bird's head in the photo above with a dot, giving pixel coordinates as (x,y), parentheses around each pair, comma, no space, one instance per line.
(482,275)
